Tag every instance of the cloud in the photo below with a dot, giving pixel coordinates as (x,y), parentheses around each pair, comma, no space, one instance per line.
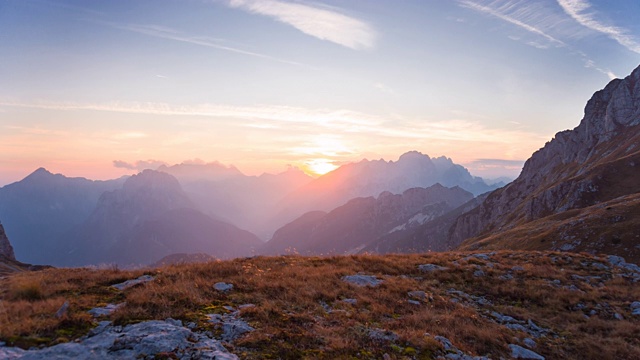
(322,23)
(139,165)
(527,16)
(172,34)
(577,9)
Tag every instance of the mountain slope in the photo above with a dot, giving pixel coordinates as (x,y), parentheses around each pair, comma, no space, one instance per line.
(149,218)
(356,224)
(597,162)
(40,208)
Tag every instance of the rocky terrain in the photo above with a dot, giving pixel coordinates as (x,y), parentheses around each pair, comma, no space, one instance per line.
(455,305)
(358,223)
(6,250)
(574,175)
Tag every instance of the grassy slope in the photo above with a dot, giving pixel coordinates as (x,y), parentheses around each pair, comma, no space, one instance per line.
(291,321)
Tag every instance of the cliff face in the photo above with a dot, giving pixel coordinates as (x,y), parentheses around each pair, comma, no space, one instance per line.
(596,162)
(6,249)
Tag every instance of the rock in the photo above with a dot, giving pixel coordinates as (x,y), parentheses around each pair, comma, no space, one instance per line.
(430,267)
(418,295)
(362,280)
(636,312)
(518,352)
(232,327)
(446,344)
(130,283)
(223,287)
(517,268)
(635,305)
(11,353)
(618,316)
(6,249)
(383,335)
(414,302)
(63,311)
(350,301)
(105,311)
(530,343)
(143,340)
(246,306)
(478,273)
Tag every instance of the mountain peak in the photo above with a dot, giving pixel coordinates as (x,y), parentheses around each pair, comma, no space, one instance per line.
(413,155)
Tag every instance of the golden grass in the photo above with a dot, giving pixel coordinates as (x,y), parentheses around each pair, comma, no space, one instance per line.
(291,294)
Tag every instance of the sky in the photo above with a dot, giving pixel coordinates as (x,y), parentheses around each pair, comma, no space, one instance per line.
(101,89)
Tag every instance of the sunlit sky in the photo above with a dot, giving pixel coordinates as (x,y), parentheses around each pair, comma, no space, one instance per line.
(101,88)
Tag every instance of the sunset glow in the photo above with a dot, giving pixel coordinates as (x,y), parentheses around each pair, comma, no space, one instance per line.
(264,85)
(320,166)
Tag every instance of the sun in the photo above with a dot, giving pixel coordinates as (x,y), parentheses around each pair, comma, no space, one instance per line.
(320,166)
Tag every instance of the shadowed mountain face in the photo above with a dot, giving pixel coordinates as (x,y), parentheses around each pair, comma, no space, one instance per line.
(563,185)
(370,178)
(359,222)
(6,250)
(37,210)
(149,218)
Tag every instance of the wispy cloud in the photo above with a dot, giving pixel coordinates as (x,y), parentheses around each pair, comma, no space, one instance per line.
(579,11)
(323,23)
(163,32)
(526,16)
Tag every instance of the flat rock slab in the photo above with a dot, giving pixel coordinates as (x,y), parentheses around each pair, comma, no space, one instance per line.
(143,340)
(362,280)
(105,310)
(222,286)
(518,352)
(130,283)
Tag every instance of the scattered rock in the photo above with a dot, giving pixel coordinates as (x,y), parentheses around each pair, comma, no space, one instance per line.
(232,326)
(431,267)
(618,316)
(223,287)
(130,283)
(383,335)
(168,339)
(419,295)
(362,280)
(530,343)
(518,352)
(517,268)
(105,310)
(350,301)
(479,273)
(485,256)
(453,352)
(63,311)
(414,302)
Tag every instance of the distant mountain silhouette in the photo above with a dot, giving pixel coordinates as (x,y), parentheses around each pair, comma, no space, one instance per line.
(580,192)
(370,178)
(358,223)
(227,194)
(149,218)
(41,207)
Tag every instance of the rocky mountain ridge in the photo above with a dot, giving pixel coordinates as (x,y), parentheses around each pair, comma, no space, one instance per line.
(355,225)
(598,161)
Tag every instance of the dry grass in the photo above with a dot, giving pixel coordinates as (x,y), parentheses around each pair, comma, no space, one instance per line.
(292,295)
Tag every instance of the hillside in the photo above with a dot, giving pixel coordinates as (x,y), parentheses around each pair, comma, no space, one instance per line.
(355,225)
(461,304)
(571,178)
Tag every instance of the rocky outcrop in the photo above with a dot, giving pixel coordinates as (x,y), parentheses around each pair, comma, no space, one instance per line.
(6,249)
(595,162)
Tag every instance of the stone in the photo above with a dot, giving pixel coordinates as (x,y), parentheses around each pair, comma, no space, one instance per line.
(131,283)
(11,353)
(105,310)
(350,301)
(479,273)
(635,305)
(431,267)
(142,340)
(414,302)
(518,352)
(223,287)
(517,268)
(418,295)
(63,311)
(530,343)
(232,327)
(383,335)
(618,316)
(362,280)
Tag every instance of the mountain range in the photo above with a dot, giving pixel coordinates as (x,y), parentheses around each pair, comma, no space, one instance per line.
(200,208)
